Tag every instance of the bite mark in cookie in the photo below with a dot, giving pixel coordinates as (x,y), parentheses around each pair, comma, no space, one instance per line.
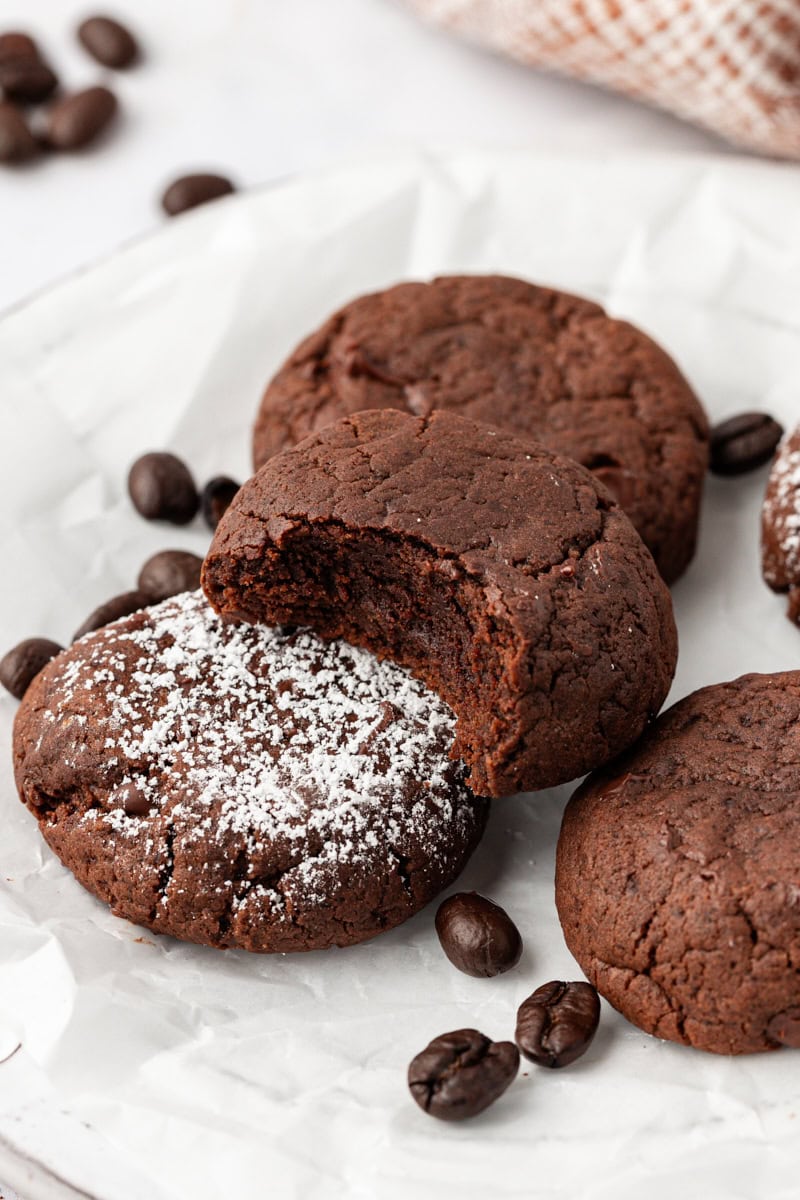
(501,574)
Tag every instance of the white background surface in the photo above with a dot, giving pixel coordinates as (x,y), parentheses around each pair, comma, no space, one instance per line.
(263,88)
(151,1070)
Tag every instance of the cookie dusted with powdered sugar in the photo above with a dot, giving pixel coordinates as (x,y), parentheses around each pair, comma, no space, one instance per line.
(242,786)
(780,524)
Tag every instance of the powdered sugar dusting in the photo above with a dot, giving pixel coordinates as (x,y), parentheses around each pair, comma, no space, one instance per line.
(782,514)
(257,737)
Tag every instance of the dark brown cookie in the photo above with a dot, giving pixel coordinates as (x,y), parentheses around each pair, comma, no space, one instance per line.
(780,524)
(677,871)
(501,574)
(527,359)
(241,786)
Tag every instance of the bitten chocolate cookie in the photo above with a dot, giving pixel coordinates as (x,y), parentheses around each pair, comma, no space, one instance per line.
(241,786)
(780,524)
(527,359)
(678,871)
(501,574)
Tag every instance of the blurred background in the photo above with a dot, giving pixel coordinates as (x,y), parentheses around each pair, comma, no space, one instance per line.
(261,89)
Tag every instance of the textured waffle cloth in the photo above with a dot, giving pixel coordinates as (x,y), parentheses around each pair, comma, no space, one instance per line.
(730,65)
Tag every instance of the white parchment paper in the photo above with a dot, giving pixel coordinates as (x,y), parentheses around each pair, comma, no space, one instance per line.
(142,1068)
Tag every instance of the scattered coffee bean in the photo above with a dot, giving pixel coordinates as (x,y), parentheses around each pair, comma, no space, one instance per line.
(168,573)
(26,79)
(112,610)
(78,119)
(162,489)
(109,42)
(191,190)
(478,936)
(785,1028)
(557,1023)
(18,45)
(743,443)
(460,1074)
(20,666)
(17,143)
(217,496)
(133,800)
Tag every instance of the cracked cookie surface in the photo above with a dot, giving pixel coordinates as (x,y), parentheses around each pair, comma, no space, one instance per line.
(534,361)
(677,879)
(780,524)
(501,574)
(242,786)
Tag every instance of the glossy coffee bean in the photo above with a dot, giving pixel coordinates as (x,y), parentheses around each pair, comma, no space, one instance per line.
(162,488)
(743,443)
(109,42)
(460,1074)
(113,609)
(556,1024)
(20,666)
(216,498)
(477,935)
(77,120)
(26,80)
(18,45)
(191,190)
(17,143)
(133,800)
(168,573)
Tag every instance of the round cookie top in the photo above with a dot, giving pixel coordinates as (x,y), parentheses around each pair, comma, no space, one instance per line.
(528,359)
(244,786)
(502,574)
(678,871)
(780,523)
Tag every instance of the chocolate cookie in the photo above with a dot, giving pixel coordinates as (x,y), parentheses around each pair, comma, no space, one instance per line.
(241,786)
(528,359)
(501,574)
(677,871)
(780,524)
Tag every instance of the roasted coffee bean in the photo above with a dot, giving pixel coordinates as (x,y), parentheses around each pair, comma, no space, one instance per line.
(133,800)
(191,190)
(20,666)
(460,1074)
(743,443)
(168,573)
(109,42)
(18,45)
(78,119)
(217,495)
(162,489)
(17,143)
(26,80)
(112,610)
(557,1023)
(785,1028)
(478,936)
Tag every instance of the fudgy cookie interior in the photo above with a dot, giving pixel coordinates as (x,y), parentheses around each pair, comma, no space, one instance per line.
(500,574)
(400,601)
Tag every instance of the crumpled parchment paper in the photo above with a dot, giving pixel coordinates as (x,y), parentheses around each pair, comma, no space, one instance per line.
(137,1068)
